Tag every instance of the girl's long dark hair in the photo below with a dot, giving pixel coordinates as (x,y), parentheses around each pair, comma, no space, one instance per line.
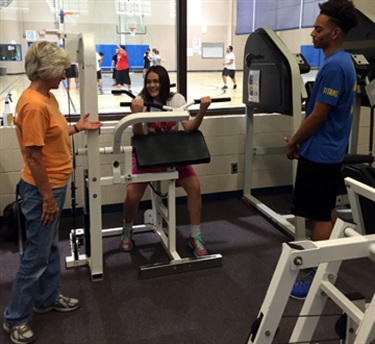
(164,89)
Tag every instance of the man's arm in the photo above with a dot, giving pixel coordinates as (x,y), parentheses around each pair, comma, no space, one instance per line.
(308,127)
(122,51)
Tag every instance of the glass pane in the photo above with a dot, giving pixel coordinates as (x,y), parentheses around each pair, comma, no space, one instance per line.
(10,52)
(139,25)
(278,15)
(310,11)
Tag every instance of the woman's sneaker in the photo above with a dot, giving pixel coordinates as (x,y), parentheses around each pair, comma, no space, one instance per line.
(62,304)
(198,246)
(126,243)
(19,334)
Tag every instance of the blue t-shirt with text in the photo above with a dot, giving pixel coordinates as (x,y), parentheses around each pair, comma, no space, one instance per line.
(335,85)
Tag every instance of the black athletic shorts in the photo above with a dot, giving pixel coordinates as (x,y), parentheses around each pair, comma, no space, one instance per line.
(315,189)
(71,72)
(229,72)
(122,77)
(99,74)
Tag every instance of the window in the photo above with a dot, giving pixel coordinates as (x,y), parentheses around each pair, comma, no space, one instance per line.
(275,14)
(10,52)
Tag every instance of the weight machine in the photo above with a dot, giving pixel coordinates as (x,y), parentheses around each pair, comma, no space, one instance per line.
(162,212)
(272,83)
(347,241)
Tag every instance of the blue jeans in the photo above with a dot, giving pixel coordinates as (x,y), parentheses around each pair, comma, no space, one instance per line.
(37,280)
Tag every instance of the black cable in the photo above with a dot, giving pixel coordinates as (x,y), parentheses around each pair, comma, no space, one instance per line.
(165,195)
(73,185)
(315,341)
(371,138)
(312,315)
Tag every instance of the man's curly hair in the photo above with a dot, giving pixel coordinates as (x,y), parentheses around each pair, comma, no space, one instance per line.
(341,12)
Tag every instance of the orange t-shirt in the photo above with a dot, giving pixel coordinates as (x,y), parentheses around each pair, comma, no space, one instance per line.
(39,122)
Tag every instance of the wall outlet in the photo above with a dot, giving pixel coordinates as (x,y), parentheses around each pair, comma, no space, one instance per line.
(234,168)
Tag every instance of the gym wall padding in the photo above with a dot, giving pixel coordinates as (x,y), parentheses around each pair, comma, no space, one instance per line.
(313,56)
(135,51)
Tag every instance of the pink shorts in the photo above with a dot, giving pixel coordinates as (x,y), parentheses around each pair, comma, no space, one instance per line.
(183,171)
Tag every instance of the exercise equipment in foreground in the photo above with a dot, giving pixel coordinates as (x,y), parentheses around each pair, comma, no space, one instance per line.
(348,241)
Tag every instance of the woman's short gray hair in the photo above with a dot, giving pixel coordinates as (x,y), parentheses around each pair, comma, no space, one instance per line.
(45,60)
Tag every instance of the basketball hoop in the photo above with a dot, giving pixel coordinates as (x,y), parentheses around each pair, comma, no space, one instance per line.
(71,17)
(132,31)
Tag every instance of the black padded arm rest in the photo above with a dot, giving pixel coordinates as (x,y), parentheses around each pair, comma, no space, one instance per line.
(350,159)
(175,148)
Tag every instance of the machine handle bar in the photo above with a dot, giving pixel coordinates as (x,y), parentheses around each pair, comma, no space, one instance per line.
(215,100)
(130,94)
(117,92)
(151,104)
(163,107)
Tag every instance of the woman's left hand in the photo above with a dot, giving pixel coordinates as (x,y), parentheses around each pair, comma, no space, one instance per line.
(205,103)
(85,124)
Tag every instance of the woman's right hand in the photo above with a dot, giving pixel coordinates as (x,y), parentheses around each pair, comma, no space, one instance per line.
(137,105)
(50,211)
(205,103)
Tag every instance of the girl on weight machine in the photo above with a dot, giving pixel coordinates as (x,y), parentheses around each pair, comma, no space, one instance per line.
(157,89)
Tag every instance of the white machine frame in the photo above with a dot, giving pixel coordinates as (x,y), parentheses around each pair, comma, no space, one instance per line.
(347,242)
(295,226)
(83,46)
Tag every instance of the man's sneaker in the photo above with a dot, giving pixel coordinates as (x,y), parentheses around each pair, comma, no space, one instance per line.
(234,86)
(197,244)
(302,287)
(19,334)
(62,304)
(224,87)
(126,243)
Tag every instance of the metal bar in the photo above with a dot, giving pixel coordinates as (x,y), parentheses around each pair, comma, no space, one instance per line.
(183,265)
(181,18)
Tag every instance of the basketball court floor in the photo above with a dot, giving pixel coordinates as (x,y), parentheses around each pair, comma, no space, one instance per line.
(199,84)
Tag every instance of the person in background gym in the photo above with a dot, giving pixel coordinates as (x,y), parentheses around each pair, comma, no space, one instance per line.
(146,62)
(99,61)
(113,67)
(72,73)
(322,139)
(155,57)
(157,89)
(229,68)
(122,68)
(43,135)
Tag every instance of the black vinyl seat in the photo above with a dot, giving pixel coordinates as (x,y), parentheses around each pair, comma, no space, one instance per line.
(366,175)
(170,149)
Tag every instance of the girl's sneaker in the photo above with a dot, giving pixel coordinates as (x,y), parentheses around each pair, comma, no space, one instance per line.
(126,243)
(198,246)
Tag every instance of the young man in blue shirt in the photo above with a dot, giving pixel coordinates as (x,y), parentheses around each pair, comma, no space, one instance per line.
(321,141)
